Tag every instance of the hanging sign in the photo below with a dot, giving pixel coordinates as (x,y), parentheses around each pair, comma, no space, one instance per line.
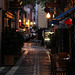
(68,22)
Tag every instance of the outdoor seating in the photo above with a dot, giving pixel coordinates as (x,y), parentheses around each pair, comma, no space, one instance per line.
(63,59)
(59,64)
(63,55)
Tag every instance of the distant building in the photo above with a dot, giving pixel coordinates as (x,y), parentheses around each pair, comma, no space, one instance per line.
(42,20)
(62,30)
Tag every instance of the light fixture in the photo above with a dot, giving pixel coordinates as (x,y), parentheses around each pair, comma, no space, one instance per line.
(53,15)
(34,23)
(19,20)
(48,15)
(52,24)
(21,3)
(26,23)
(31,23)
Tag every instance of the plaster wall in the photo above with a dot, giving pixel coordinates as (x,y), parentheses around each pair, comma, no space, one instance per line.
(42,21)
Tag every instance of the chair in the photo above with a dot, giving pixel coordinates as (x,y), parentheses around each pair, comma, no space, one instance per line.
(57,69)
(61,59)
(62,54)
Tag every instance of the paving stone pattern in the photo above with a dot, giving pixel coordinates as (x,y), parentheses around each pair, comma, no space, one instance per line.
(36,62)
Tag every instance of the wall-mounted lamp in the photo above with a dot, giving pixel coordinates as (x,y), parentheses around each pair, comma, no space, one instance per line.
(19,22)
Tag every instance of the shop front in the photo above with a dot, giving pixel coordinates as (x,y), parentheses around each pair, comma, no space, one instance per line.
(8,25)
(48,38)
(8,21)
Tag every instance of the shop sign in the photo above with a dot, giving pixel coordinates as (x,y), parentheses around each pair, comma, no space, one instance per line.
(68,22)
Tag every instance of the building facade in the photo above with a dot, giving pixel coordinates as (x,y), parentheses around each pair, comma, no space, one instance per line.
(64,39)
(42,20)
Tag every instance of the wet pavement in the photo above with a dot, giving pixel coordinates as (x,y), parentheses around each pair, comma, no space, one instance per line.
(34,61)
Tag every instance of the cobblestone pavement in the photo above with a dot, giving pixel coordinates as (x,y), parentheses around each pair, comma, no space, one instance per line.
(34,61)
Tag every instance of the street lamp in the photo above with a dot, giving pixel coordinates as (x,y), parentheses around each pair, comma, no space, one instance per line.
(28,23)
(34,23)
(48,16)
(31,23)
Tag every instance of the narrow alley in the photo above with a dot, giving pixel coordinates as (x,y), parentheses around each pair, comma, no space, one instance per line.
(34,61)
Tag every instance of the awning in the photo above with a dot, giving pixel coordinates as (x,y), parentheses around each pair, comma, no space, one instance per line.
(63,14)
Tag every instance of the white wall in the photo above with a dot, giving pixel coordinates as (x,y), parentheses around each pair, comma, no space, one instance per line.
(36,13)
(42,21)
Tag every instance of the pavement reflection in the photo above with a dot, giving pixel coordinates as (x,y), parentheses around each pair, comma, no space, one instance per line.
(34,61)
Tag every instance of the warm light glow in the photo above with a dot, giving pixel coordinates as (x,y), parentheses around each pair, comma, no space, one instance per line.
(53,15)
(26,23)
(51,32)
(24,29)
(34,23)
(21,3)
(47,39)
(52,24)
(19,20)
(31,23)
(48,15)
(9,16)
